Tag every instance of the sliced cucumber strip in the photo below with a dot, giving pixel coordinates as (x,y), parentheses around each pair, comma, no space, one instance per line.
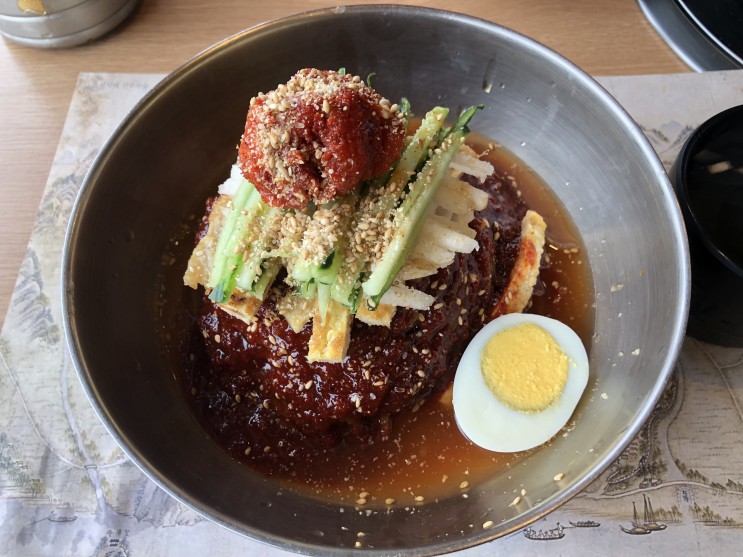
(230,258)
(411,213)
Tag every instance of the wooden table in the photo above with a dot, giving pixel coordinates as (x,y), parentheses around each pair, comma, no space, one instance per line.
(604,37)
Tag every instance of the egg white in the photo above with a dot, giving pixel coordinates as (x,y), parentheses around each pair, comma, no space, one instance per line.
(491,424)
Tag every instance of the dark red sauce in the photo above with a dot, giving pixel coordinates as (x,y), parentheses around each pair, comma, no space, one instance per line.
(315,142)
(341,429)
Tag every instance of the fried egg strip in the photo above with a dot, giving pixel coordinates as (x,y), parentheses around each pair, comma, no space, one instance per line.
(525,270)
(200,262)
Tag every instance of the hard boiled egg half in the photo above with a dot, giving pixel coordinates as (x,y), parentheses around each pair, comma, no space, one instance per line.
(518,382)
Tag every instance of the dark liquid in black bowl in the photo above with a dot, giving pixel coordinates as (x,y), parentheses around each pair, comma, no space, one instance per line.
(708,177)
(715,193)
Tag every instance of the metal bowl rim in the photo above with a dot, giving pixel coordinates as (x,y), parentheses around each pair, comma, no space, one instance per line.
(651,158)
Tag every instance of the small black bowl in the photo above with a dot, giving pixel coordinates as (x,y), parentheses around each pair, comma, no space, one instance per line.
(708,178)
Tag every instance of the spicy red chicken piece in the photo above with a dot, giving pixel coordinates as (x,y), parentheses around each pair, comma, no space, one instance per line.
(317,137)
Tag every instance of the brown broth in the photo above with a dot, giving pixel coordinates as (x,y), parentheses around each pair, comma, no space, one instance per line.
(426,457)
(567,279)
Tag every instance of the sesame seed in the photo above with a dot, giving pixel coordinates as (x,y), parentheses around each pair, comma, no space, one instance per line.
(421,373)
(363,495)
(516,501)
(237,398)
(559,476)
(389,501)
(464,485)
(267,449)
(487,524)
(419,498)
(308,384)
(217,339)
(361,501)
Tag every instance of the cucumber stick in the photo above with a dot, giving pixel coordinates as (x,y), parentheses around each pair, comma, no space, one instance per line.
(307,290)
(412,212)
(327,272)
(306,269)
(229,254)
(250,270)
(323,300)
(346,284)
(300,270)
(271,268)
(244,191)
(423,140)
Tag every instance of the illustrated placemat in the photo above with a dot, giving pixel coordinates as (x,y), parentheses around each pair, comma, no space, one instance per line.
(67,489)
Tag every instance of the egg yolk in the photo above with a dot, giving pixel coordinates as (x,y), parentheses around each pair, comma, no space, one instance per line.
(524,367)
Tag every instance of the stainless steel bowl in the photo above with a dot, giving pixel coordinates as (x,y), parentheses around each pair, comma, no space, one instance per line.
(61,23)
(149,183)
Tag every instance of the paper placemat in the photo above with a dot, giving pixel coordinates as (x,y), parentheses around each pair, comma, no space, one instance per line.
(67,489)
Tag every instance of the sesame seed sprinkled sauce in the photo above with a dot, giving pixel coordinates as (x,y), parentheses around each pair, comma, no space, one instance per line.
(389,462)
(318,137)
(407,468)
